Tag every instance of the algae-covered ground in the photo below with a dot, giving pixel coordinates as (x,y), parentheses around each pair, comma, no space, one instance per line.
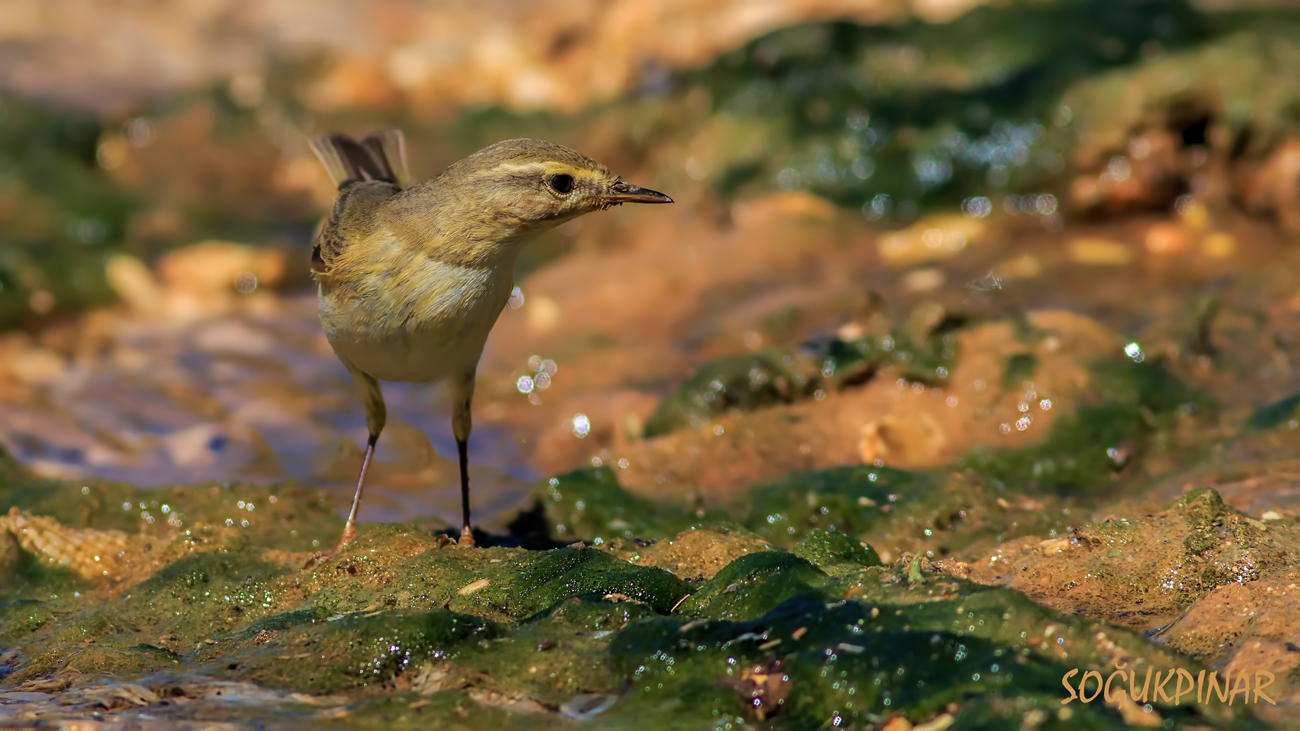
(771,609)
(977,592)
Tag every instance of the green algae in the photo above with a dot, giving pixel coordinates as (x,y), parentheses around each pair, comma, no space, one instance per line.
(751,382)
(850,500)
(809,662)
(1147,570)
(829,550)
(355,652)
(533,638)
(287,516)
(1017,369)
(539,581)
(1239,80)
(60,215)
(1284,411)
(24,576)
(1128,408)
(741,382)
(753,585)
(200,594)
(415,633)
(897,118)
(925,511)
(925,355)
(590,504)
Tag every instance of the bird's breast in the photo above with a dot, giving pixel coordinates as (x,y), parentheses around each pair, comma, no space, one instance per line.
(423,321)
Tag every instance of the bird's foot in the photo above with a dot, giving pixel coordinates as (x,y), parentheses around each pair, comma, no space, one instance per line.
(466,537)
(320,557)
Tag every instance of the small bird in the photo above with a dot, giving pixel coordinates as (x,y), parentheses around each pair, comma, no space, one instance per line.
(411,280)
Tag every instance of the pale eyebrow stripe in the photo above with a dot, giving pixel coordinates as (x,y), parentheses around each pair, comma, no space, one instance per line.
(525,168)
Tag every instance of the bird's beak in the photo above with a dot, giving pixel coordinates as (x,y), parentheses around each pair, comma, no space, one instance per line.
(621,192)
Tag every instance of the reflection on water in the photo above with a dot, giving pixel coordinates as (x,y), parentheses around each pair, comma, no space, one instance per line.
(252,398)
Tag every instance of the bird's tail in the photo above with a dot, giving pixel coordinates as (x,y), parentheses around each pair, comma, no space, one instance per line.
(351,161)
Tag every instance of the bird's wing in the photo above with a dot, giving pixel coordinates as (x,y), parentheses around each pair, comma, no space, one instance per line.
(365,175)
(352,220)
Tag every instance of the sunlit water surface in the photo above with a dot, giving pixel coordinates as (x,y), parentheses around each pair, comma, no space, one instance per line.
(259,399)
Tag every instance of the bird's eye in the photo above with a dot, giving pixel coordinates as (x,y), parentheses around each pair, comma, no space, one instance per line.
(561,183)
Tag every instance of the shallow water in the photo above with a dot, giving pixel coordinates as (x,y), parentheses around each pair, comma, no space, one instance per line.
(252,398)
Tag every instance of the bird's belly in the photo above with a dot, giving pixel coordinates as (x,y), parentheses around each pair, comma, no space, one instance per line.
(416,339)
(420,356)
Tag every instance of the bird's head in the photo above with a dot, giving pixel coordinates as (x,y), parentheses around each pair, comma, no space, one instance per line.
(539,184)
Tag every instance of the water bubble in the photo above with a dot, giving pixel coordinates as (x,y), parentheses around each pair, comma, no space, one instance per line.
(1118,169)
(932,171)
(139,132)
(977,207)
(581,427)
(245,282)
(862,167)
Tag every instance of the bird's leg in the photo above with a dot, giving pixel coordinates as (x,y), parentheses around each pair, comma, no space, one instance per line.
(466,533)
(463,394)
(350,528)
(376,415)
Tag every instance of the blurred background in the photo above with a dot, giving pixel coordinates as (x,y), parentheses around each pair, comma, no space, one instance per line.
(842,169)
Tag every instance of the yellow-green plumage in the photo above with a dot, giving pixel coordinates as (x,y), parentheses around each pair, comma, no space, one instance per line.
(412,280)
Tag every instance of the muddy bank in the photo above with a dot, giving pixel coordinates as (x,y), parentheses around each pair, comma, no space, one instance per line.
(858,593)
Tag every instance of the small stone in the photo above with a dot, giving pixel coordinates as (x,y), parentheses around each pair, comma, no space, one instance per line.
(1219,245)
(35,365)
(1025,266)
(1099,252)
(213,266)
(1167,238)
(786,204)
(897,723)
(938,723)
(932,238)
(1192,214)
(912,440)
(472,587)
(924,280)
(1271,515)
(1274,187)
(41,301)
(133,283)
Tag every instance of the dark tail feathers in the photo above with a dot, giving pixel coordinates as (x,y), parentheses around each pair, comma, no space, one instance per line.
(351,161)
